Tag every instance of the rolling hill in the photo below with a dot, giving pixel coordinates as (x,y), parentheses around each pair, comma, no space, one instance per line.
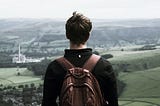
(106,33)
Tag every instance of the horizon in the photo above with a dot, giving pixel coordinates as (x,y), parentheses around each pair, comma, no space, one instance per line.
(93,19)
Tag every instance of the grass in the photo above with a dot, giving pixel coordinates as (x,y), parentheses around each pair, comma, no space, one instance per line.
(139,101)
(136,60)
(141,83)
(142,88)
(141,78)
(9,76)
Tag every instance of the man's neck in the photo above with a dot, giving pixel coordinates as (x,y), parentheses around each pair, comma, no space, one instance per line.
(75,46)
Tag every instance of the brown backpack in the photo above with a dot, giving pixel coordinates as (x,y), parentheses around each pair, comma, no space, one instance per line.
(80,87)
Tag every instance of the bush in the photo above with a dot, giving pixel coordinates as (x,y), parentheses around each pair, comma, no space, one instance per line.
(107,56)
(20,86)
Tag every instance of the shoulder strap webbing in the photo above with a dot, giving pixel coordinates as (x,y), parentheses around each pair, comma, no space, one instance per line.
(65,63)
(89,64)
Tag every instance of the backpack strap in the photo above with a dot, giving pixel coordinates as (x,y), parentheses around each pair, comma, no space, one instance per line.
(91,62)
(65,63)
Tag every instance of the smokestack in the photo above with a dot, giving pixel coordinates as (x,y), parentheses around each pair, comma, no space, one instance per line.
(19,53)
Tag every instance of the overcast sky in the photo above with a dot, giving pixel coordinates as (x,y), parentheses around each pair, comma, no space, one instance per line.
(100,9)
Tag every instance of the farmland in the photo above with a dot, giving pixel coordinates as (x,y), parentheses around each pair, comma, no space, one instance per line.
(142,81)
(141,76)
(19,86)
(17,76)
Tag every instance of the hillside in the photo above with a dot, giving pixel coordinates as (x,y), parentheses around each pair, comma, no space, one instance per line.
(139,71)
(129,61)
(10,76)
(142,88)
(106,33)
(111,36)
(141,84)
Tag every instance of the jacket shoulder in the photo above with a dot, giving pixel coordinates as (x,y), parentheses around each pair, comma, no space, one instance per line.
(103,67)
(55,68)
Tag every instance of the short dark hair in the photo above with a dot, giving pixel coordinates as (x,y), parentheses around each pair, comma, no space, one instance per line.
(78,28)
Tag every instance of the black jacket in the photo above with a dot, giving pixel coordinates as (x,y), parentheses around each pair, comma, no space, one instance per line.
(103,72)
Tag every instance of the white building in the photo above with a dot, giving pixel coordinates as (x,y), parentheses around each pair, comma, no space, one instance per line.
(20,58)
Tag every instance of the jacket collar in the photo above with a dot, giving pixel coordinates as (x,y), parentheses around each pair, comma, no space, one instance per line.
(76,52)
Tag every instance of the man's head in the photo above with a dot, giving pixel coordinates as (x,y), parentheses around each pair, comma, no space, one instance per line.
(78,28)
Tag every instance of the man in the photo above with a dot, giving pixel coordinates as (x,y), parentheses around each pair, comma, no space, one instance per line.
(78,28)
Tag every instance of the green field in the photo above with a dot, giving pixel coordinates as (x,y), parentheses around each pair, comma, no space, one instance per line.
(136,60)
(139,102)
(143,88)
(9,76)
(142,82)
(141,78)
